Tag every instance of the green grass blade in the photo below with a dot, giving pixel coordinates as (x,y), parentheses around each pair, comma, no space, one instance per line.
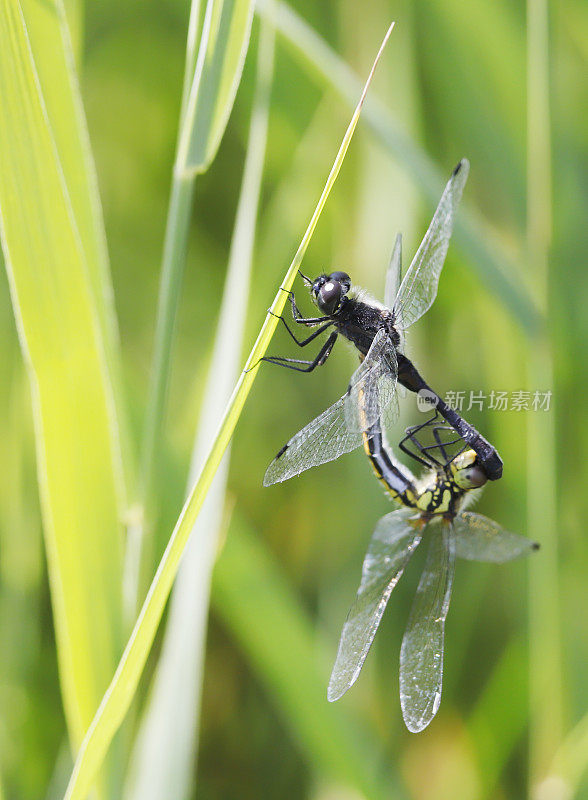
(61,336)
(485,252)
(118,697)
(213,71)
(74,11)
(258,605)
(545,653)
(165,751)
(225,35)
(49,36)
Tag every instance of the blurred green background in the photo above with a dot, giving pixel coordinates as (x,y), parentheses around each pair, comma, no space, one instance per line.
(454,81)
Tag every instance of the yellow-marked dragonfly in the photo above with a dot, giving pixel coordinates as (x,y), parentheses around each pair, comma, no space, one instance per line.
(376,331)
(433,509)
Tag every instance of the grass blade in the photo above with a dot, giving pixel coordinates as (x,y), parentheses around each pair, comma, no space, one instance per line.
(213,70)
(163,761)
(545,656)
(49,35)
(217,71)
(119,694)
(61,333)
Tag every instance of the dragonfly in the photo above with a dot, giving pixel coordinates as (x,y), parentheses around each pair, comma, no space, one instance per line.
(433,509)
(377,331)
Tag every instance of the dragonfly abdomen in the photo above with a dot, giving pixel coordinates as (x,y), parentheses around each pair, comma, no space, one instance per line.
(397,484)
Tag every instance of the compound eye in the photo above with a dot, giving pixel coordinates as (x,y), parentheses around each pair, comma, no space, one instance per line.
(477,477)
(329,296)
(467,471)
(342,278)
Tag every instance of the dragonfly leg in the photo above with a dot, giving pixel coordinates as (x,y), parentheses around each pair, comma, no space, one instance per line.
(488,456)
(410,436)
(297,314)
(443,445)
(303,342)
(300,365)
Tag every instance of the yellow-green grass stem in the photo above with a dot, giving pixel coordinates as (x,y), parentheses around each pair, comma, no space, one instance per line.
(212,74)
(55,280)
(545,664)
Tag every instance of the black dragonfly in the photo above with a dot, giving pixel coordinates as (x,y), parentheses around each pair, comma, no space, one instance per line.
(377,331)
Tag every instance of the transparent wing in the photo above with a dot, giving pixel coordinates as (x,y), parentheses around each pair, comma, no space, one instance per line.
(421,654)
(325,438)
(394,273)
(371,395)
(389,551)
(478,538)
(419,287)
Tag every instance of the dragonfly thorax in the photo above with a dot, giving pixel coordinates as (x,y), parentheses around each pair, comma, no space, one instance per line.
(437,495)
(359,320)
(443,491)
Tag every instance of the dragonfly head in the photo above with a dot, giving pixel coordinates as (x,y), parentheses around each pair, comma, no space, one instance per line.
(466,471)
(328,291)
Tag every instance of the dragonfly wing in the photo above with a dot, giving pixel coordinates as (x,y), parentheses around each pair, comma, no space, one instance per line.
(324,439)
(389,551)
(421,654)
(394,273)
(478,538)
(419,287)
(371,395)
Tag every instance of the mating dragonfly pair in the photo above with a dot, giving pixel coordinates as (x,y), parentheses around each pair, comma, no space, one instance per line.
(433,506)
